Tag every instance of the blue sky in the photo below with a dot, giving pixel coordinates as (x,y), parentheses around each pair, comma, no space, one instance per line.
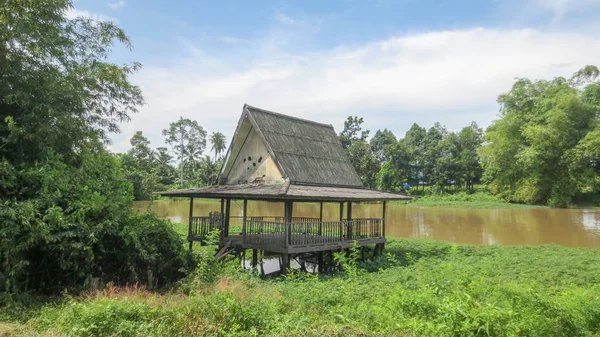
(392,62)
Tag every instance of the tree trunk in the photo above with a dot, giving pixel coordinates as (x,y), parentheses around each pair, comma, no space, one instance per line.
(181,164)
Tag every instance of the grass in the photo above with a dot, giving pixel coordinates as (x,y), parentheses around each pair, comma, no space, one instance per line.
(423,288)
(479,200)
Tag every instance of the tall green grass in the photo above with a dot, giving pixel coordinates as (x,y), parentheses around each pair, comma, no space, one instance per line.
(422,288)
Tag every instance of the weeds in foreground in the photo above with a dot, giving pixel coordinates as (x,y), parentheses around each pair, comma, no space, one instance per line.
(421,288)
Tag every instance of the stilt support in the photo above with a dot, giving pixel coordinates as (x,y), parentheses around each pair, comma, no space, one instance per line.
(254,258)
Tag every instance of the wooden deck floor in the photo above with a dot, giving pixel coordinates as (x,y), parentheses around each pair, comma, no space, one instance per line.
(298,243)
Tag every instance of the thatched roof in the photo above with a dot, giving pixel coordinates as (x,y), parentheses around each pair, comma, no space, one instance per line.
(306,152)
(278,192)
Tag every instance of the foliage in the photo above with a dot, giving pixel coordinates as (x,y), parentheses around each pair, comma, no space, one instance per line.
(148,170)
(203,172)
(380,141)
(365,163)
(361,155)
(432,289)
(218,141)
(65,204)
(436,157)
(542,149)
(187,140)
(353,132)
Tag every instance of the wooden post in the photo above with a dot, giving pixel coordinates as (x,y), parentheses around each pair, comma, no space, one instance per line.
(244,216)
(191,222)
(320,262)
(225,231)
(285,263)
(288,208)
(383,217)
(341,220)
(321,219)
(349,219)
(254,258)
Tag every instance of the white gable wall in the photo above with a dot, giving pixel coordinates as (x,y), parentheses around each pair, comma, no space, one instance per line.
(253,162)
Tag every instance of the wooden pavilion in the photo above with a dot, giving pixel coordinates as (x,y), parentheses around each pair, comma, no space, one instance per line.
(287,160)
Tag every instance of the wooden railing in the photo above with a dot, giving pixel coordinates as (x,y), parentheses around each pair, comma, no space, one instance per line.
(272,231)
(280,219)
(307,233)
(200,226)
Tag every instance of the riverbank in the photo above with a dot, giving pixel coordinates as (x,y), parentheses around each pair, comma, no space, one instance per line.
(423,288)
(478,200)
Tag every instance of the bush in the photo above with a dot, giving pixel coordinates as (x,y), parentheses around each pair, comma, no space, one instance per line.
(64,226)
(146,250)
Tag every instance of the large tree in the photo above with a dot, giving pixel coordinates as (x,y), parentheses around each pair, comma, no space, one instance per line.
(539,151)
(354,139)
(380,141)
(187,140)
(65,206)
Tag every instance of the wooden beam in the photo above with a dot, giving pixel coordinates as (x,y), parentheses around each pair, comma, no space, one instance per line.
(349,218)
(349,211)
(227,215)
(321,212)
(244,217)
(285,263)
(341,210)
(190,221)
(321,218)
(254,258)
(383,217)
(287,219)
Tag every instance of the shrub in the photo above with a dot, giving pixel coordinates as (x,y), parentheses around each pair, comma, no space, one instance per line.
(67,225)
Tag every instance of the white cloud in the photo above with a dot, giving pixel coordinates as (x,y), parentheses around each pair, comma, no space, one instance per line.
(449,76)
(117,4)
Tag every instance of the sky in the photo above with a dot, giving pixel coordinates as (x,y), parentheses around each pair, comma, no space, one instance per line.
(394,63)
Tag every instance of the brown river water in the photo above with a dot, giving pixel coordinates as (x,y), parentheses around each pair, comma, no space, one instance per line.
(516,226)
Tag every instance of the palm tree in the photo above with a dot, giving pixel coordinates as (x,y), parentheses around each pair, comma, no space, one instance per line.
(217,140)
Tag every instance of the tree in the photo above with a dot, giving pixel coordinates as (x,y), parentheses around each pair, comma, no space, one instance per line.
(139,164)
(397,169)
(65,205)
(217,139)
(469,140)
(204,172)
(354,140)
(432,153)
(415,144)
(536,151)
(164,170)
(380,141)
(353,132)
(187,140)
(141,151)
(365,163)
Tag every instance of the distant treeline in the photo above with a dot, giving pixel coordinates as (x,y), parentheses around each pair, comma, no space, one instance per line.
(543,149)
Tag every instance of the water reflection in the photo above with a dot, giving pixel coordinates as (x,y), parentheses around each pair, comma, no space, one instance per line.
(522,226)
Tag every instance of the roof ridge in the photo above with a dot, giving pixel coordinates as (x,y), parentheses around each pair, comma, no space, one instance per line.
(246,106)
(320,140)
(311,156)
